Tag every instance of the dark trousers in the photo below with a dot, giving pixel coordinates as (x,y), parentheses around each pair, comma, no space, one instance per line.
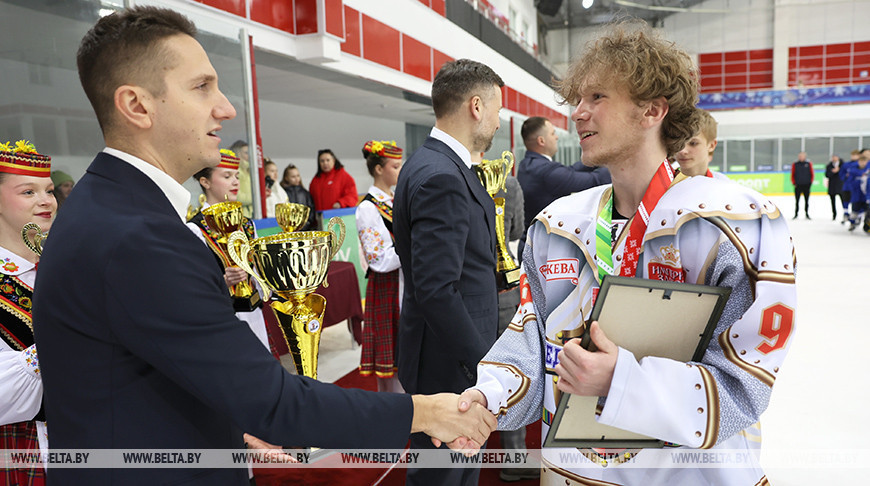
(805,190)
(834,202)
(459,476)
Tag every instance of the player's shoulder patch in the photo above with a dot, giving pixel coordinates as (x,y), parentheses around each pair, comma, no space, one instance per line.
(574,210)
(707,197)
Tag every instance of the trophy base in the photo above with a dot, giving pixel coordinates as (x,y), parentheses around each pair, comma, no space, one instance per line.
(247,304)
(507,279)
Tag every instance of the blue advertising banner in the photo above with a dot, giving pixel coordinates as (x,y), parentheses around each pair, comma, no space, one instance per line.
(859,93)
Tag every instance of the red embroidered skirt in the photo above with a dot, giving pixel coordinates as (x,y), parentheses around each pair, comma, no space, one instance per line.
(381,325)
(22,436)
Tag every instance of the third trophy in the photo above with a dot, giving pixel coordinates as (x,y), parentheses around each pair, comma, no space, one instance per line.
(492,174)
(291,216)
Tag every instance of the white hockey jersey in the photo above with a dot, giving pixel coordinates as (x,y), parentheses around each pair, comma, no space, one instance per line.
(703,231)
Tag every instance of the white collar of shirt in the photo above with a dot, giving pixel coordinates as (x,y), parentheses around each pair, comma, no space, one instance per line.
(177,195)
(16,265)
(380,195)
(454,145)
(547,157)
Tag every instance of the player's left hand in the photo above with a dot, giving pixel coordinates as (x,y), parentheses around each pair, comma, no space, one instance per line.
(587,373)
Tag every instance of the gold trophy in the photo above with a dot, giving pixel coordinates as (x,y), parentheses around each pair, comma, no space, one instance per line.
(39,237)
(291,216)
(293,265)
(225,218)
(492,174)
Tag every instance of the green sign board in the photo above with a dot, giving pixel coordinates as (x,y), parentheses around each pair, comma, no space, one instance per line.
(350,249)
(775,183)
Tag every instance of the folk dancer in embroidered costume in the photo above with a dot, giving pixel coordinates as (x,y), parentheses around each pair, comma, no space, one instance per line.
(696,229)
(26,196)
(374,222)
(221,184)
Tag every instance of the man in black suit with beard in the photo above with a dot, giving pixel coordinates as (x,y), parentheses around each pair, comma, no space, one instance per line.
(444,225)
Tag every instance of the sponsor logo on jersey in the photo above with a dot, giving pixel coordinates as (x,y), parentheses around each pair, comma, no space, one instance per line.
(658,271)
(561,269)
(667,267)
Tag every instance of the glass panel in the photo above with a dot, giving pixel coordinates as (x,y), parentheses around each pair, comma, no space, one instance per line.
(40,92)
(790,149)
(569,148)
(843,146)
(765,155)
(500,143)
(225,55)
(739,159)
(718,162)
(818,151)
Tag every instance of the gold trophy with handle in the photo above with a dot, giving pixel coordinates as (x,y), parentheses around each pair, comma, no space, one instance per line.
(39,237)
(492,174)
(291,216)
(293,265)
(224,218)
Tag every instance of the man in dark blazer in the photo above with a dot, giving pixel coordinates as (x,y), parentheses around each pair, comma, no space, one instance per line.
(543,180)
(444,225)
(138,342)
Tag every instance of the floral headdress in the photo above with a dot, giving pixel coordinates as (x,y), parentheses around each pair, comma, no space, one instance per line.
(229,160)
(23,159)
(383,149)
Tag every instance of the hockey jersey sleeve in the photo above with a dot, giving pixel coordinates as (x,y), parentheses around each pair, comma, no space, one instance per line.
(511,375)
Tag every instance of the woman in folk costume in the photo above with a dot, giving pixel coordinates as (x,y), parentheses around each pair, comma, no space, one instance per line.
(374,221)
(221,184)
(26,196)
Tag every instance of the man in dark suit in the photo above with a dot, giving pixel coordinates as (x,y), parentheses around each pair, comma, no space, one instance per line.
(543,180)
(444,224)
(139,345)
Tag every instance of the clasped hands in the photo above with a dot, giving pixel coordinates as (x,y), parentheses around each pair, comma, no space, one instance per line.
(580,371)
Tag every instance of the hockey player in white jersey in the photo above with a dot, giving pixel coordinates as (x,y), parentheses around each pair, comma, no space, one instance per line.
(635,96)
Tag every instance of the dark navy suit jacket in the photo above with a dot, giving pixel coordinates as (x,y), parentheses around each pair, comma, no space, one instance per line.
(140,348)
(543,181)
(444,224)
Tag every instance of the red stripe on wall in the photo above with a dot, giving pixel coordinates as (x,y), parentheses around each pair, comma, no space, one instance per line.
(439,7)
(351,44)
(416,58)
(438,60)
(306,17)
(334,17)
(274,14)
(380,43)
(236,7)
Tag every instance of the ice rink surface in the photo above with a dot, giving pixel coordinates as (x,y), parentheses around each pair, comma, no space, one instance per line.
(816,429)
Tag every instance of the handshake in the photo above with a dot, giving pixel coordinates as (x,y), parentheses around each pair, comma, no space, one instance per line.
(462,422)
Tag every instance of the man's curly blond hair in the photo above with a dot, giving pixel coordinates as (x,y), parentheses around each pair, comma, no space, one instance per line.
(632,56)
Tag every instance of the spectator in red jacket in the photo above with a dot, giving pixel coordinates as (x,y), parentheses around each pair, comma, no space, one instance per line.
(332,187)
